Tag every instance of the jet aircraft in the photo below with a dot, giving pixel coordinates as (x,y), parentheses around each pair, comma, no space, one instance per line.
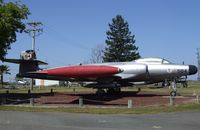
(110,76)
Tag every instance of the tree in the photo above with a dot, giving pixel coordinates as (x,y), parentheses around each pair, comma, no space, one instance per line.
(4,69)
(11,16)
(120,43)
(97,54)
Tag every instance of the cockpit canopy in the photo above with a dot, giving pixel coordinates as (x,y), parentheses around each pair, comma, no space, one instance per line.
(153,61)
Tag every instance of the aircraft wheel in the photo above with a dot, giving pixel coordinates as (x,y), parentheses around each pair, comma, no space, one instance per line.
(100,91)
(117,90)
(113,90)
(173,93)
(185,85)
(110,91)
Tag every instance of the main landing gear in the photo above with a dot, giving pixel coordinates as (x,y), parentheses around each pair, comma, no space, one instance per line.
(113,90)
(100,91)
(109,91)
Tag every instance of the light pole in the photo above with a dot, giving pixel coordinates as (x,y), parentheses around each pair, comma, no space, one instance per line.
(35,30)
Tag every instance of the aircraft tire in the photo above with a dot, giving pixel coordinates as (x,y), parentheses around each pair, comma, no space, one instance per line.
(100,91)
(113,90)
(117,90)
(173,93)
(139,89)
(185,85)
(110,91)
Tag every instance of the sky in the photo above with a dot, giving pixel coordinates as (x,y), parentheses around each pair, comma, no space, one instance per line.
(168,29)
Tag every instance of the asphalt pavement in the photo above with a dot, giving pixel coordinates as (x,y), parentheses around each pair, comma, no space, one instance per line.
(12,120)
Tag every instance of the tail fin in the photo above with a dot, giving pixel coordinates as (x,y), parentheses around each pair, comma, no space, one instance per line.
(27,62)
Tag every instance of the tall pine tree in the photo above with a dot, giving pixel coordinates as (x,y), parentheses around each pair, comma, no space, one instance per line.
(120,43)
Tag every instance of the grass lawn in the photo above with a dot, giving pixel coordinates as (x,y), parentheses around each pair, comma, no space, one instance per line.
(193,87)
(142,110)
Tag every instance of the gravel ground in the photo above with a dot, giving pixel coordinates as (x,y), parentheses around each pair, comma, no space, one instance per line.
(140,99)
(117,100)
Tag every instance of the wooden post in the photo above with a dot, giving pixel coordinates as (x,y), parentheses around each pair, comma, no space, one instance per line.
(81,102)
(31,85)
(197,99)
(29,91)
(130,104)
(31,101)
(171,100)
(51,91)
(3,101)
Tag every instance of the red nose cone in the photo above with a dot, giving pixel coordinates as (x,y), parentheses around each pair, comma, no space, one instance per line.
(83,71)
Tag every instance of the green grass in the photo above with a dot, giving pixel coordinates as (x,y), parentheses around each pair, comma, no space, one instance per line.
(21,89)
(143,110)
(193,87)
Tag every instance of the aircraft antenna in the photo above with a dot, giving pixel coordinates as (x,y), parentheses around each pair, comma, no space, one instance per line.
(198,59)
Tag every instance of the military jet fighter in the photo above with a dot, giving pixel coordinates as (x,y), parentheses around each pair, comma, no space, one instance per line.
(110,76)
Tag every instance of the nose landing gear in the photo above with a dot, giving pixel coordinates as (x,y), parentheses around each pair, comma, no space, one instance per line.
(173,86)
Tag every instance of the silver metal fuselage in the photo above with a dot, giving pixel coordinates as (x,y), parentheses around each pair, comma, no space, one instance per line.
(149,70)
(137,72)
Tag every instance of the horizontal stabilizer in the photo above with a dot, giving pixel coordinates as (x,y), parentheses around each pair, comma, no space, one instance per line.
(37,72)
(19,61)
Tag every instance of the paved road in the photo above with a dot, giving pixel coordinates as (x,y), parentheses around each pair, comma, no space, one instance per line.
(69,121)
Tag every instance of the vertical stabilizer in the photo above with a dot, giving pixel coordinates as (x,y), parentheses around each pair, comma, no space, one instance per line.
(27,62)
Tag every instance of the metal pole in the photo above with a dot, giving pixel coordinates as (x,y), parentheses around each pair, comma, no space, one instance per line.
(34,29)
(33,40)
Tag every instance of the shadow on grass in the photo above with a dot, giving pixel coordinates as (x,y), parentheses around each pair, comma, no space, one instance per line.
(20,98)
